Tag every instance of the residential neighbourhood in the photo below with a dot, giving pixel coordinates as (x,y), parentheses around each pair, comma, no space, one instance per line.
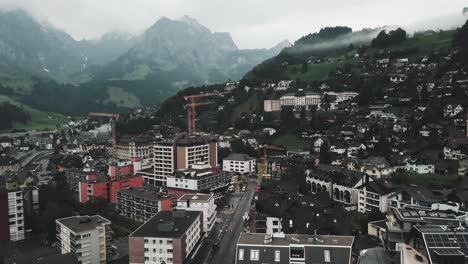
(365,164)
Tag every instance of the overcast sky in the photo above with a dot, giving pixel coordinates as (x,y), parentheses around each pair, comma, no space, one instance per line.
(252,23)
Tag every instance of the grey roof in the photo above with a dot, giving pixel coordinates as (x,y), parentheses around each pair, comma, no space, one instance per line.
(144,193)
(378,255)
(311,240)
(196,197)
(83,223)
(337,174)
(168,224)
(239,157)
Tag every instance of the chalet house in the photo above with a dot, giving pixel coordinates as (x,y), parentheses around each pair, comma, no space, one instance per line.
(456,149)
(420,165)
(451,110)
(400,126)
(318,144)
(341,184)
(338,148)
(6,142)
(376,167)
(397,78)
(354,148)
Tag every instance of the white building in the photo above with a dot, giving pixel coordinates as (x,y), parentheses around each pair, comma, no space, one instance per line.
(270,131)
(200,202)
(16,215)
(271,105)
(420,166)
(273,225)
(199,177)
(341,184)
(86,236)
(343,96)
(374,195)
(452,110)
(307,100)
(239,163)
(168,237)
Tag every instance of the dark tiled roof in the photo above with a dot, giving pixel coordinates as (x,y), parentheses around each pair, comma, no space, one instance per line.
(337,174)
(168,224)
(239,157)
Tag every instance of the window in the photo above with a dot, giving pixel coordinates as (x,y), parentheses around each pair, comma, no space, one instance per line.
(254,254)
(241,254)
(326,255)
(297,252)
(146,249)
(146,241)
(277,255)
(169,251)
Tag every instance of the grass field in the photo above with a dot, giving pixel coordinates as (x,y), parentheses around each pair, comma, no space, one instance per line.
(21,84)
(122,98)
(139,73)
(316,72)
(291,142)
(434,180)
(39,119)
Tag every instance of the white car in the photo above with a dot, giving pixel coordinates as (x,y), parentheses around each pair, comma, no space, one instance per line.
(243,188)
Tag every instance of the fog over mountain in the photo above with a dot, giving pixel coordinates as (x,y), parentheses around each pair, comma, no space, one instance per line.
(89,19)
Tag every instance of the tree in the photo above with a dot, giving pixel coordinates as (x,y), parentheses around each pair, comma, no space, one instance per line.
(393,37)
(400,176)
(304,67)
(325,156)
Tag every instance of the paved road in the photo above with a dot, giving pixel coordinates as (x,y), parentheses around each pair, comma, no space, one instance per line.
(227,244)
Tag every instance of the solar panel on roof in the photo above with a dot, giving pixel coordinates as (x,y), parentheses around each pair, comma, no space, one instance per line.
(448,252)
(406,214)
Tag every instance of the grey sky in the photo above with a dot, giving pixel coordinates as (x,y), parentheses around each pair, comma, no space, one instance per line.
(252,23)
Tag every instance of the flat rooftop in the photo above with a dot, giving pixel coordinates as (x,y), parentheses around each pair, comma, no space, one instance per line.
(167,224)
(196,197)
(289,239)
(83,223)
(144,193)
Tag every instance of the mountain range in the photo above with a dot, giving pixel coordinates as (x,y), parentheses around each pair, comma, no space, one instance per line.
(183,45)
(118,70)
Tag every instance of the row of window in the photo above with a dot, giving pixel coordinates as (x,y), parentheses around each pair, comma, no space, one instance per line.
(295,253)
(168,242)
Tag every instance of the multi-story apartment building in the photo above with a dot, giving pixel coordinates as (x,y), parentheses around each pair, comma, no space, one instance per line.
(89,237)
(200,202)
(141,204)
(168,237)
(107,188)
(163,163)
(285,249)
(75,176)
(374,196)
(17,204)
(239,163)
(179,154)
(199,177)
(308,100)
(129,147)
(342,185)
